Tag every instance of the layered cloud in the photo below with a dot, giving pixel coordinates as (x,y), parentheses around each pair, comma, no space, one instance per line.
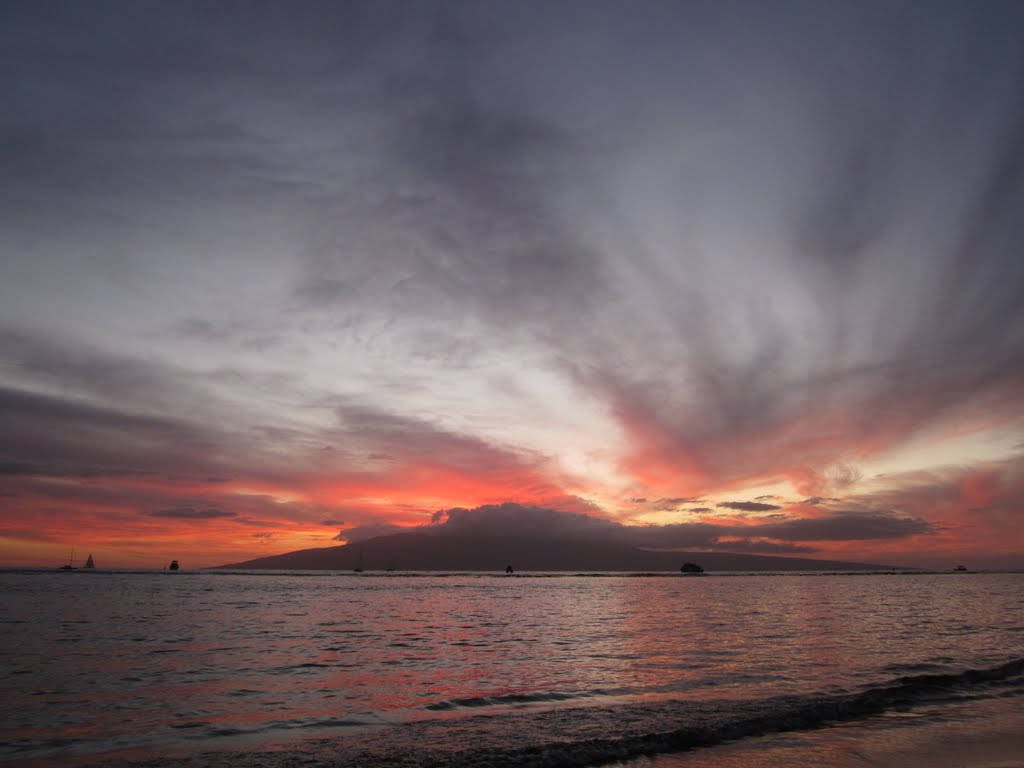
(791,534)
(671,267)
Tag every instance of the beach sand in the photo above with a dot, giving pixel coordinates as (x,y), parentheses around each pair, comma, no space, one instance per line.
(970,734)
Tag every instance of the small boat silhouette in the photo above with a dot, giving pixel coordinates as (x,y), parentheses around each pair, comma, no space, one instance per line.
(173,566)
(70,564)
(89,563)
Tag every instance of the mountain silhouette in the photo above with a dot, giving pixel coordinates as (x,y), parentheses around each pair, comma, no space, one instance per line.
(464,552)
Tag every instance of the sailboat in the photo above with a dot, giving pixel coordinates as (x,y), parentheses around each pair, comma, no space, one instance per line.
(89,563)
(70,564)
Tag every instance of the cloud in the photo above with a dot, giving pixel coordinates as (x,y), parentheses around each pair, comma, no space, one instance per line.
(763,547)
(18,468)
(974,507)
(359,533)
(846,526)
(748,506)
(450,272)
(54,436)
(511,519)
(516,520)
(256,523)
(188,513)
(426,455)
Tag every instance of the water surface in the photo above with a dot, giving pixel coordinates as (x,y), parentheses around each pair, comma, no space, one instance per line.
(98,666)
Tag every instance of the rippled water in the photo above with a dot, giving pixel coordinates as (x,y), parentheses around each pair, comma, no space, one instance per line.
(103,665)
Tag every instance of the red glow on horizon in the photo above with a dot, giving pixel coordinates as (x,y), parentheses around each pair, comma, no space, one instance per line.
(143,521)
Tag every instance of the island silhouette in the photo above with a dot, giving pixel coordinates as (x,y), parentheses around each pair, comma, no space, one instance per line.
(535,552)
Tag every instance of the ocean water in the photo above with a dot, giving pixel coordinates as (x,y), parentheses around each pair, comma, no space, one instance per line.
(459,670)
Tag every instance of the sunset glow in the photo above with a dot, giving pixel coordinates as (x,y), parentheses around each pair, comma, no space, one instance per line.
(368,265)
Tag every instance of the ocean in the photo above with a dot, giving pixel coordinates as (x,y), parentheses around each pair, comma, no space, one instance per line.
(471,670)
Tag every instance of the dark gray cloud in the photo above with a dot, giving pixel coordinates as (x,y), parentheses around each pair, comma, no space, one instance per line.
(760,547)
(787,535)
(463,214)
(18,468)
(88,375)
(511,519)
(817,500)
(53,436)
(846,526)
(748,506)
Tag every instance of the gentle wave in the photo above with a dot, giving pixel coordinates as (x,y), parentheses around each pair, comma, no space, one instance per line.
(632,731)
(592,736)
(789,714)
(476,702)
(584,736)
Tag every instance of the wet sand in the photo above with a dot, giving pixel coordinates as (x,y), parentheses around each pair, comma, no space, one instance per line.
(974,734)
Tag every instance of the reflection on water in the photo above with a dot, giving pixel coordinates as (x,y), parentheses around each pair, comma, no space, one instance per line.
(141,658)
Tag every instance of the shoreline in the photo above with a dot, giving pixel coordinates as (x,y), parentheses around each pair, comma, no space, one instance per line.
(979,733)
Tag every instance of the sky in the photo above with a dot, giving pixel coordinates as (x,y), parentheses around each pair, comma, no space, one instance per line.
(743,276)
